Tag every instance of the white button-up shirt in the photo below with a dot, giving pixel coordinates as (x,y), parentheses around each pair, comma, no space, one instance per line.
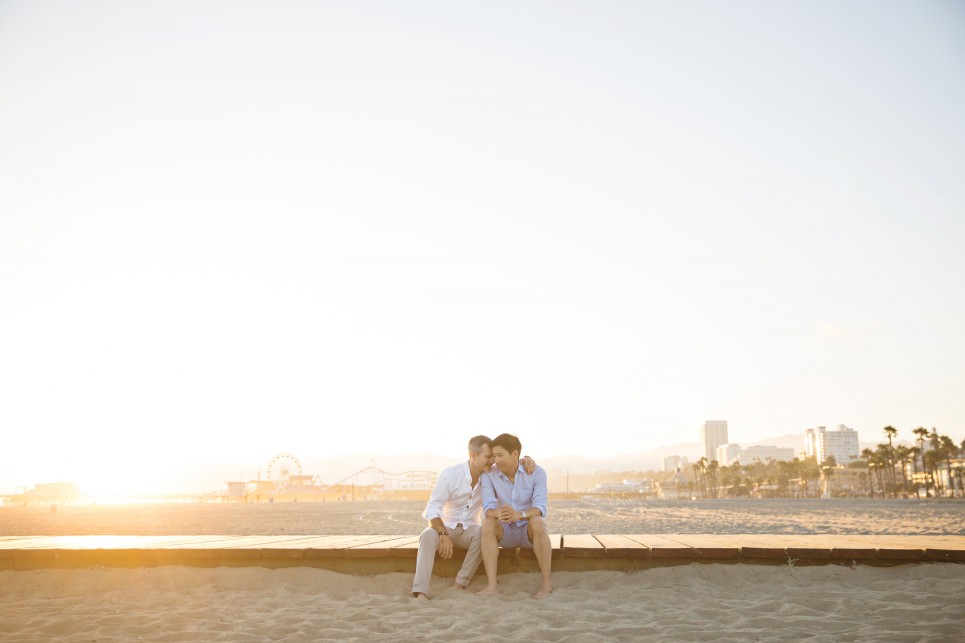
(454,499)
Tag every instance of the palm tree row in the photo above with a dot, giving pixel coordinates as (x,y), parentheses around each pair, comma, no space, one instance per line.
(903,471)
(796,478)
(934,468)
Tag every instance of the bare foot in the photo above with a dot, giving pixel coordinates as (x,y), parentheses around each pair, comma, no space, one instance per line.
(545,590)
(421,595)
(488,591)
(458,586)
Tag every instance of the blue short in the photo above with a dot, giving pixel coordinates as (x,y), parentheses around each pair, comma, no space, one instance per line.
(515,536)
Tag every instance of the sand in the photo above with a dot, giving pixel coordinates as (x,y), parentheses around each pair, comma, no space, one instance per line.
(921,602)
(597,515)
(687,603)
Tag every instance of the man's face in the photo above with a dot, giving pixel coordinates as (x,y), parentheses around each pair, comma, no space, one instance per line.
(507,461)
(483,460)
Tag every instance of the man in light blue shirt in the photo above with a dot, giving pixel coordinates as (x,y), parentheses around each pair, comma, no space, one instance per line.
(454,512)
(514,508)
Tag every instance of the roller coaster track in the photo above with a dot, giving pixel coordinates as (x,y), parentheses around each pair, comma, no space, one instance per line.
(379,477)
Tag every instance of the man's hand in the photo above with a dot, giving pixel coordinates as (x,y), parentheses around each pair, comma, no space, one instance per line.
(529,464)
(507,514)
(445,547)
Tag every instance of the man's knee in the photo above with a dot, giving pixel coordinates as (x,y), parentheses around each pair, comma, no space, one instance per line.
(473,532)
(537,527)
(429,538)
(492,530)
(489,526)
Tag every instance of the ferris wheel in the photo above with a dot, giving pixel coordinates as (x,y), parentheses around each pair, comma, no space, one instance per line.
(286,465)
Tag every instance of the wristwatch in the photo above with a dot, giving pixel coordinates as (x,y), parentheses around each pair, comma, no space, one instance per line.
(444,532)
(523,514)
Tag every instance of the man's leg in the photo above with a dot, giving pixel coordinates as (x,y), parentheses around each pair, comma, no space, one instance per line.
(492,533)
(428,544)
(471,540)
(540,537)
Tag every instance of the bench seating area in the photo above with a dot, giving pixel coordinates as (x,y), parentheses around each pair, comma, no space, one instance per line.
(396,553)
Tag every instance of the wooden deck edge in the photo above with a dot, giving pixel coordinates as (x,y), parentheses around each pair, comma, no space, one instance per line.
(370,566)
(382,554)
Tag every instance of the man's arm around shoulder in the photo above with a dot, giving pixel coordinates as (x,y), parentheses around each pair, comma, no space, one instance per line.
(540,490)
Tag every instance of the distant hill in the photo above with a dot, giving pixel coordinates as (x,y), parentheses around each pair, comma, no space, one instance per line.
(644,461)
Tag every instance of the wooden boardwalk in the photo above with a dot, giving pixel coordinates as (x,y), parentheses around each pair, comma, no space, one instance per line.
(380,554)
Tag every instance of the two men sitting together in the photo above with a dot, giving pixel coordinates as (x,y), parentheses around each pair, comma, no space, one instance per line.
(494,500)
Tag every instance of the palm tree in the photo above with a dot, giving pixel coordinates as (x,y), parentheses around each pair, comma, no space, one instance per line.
(932,460)
(712,470)
(921,434)
(783,475)
(935,439)
(890,432)
(948,452)
(869,457)
(914,453)
(883,457)
(700,477)
(901,455)
(828,468)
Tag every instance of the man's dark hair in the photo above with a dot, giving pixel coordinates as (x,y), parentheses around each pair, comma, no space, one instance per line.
(509,442)
(477,443)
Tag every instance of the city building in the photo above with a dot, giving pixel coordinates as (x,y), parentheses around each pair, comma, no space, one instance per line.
(841,444)
(674,462)
(712,435)
(728,454)
(763,453)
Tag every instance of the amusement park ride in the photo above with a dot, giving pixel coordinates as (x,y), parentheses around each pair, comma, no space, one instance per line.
(285,482)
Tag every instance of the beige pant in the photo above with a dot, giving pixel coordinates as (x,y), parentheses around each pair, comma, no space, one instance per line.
(468,539)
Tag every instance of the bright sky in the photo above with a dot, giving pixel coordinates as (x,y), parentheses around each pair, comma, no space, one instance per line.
(229,229)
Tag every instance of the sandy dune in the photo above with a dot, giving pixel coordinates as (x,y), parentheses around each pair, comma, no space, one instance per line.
(694,602)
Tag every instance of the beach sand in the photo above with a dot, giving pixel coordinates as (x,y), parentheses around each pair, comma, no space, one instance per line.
(687,603)
(585,516)
(739,602)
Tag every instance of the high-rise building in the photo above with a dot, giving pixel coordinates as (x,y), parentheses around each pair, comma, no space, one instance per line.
(728,454)
(763,453)
(674,462)
(841,444)
(712,435)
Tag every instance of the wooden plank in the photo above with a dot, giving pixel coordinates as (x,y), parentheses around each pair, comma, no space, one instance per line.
(582,546)
(944,548)
(619,546)
(707,546)
(849,547)
(663,547)
(380,548)
(202,542)
(32,542)
(556,543)
(763,546)
(897,548)
(54,551)
(940,554)
(804,547)
(338,546)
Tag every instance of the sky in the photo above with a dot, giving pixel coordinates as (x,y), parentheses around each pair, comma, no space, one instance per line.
(232,229)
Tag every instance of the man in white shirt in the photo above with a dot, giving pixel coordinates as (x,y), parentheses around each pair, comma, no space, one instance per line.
(454,512)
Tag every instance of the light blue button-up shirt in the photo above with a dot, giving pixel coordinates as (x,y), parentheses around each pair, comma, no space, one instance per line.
(527,491)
